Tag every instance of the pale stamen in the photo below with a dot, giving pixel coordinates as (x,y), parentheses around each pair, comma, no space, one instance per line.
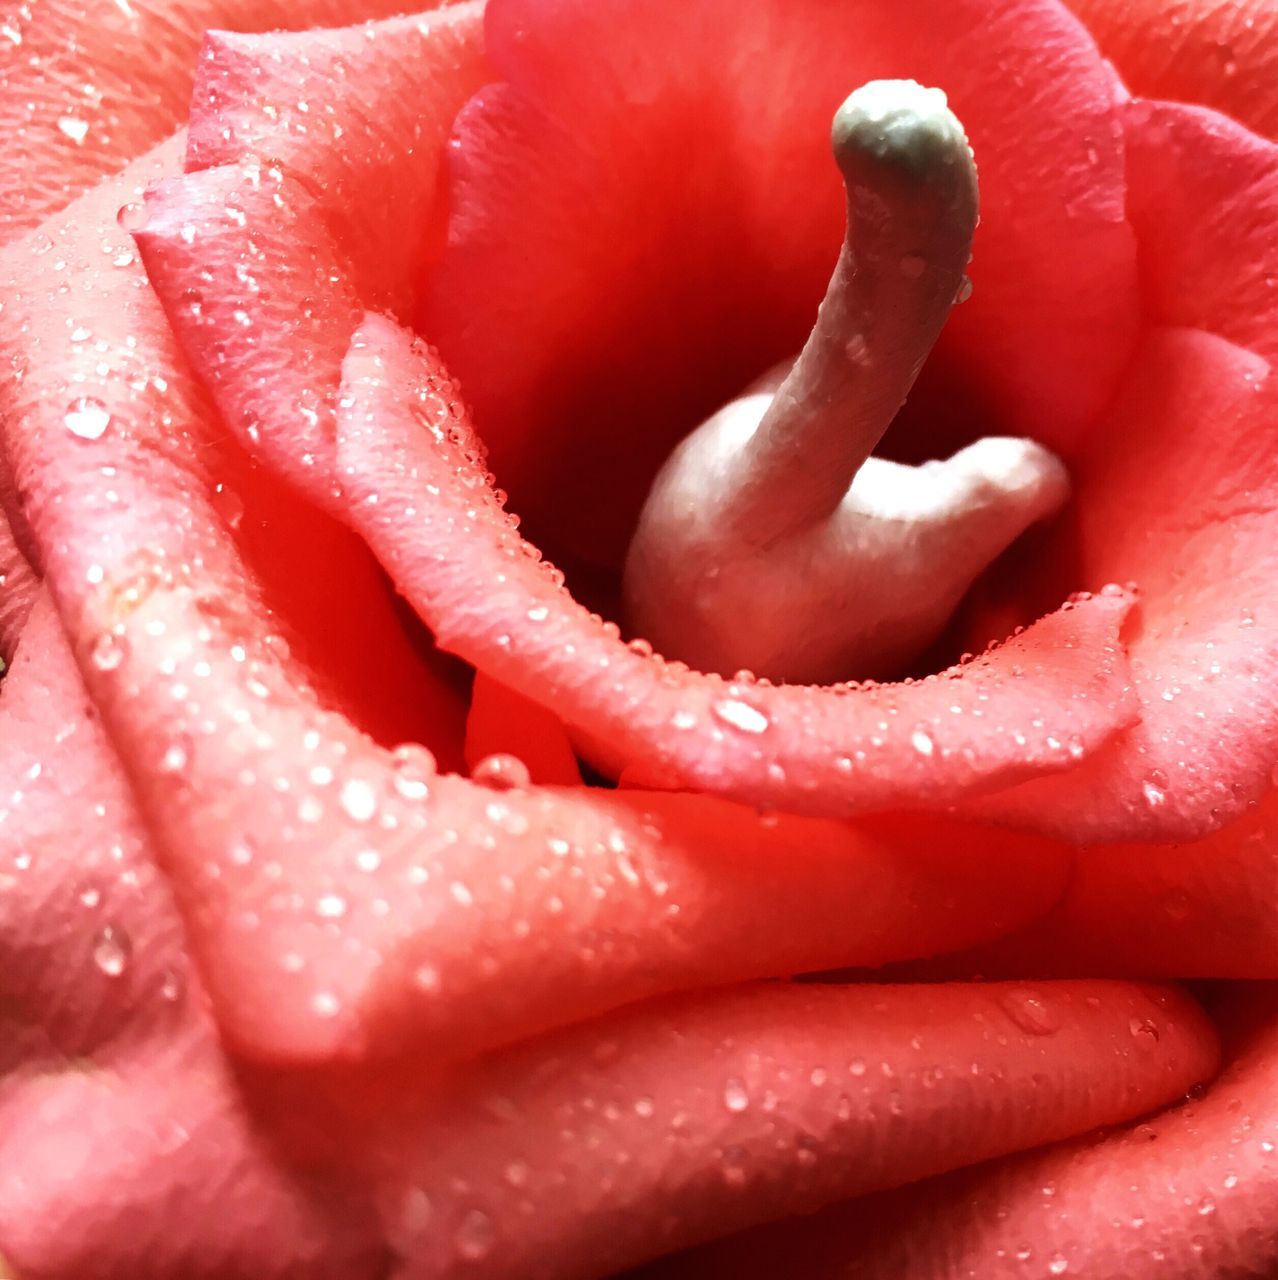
(772,540)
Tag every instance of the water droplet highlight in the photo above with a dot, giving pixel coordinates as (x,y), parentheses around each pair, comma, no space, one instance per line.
(87,418)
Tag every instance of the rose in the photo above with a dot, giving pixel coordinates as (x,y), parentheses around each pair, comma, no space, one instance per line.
(329,935)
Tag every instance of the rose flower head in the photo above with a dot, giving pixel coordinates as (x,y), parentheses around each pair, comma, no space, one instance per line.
(640,640)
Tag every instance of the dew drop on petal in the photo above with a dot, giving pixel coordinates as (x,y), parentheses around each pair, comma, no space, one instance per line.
(922,741)
(131,216)
(332,906)
(501,772)
(740,715)
(87,418)
(1029,1011)
(108,652)
(735,1096)
(111,951)
(413,767)
(473,1239)
(358,799)
(1144,1031)
(74,128)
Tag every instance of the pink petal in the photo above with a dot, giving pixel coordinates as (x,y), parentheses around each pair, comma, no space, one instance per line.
(1179,493)
(1190,1193)
(81,98)
(421,500)
(125,1146)
(614,274)
(677,1121)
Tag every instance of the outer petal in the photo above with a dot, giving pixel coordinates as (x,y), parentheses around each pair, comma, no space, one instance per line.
(1220,53)
(1180,494)
(658,268)
(125,1145)
(293,239)
(676,1121)
(1189,1194)
(79,97)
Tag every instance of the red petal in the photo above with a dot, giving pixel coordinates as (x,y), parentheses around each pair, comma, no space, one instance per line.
(80,98)
(1221,55)
(678,1121)
(503,722)
(125,1146)
(1180,494)
(422,502)
(1190,1193)
(614,274)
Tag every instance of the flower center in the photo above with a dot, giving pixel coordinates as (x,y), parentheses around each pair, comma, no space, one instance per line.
(772,540)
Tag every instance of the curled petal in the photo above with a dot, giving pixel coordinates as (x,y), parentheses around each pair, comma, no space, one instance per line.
(126,1146)
(1180,494)
(677,1121)
(60,139)
(1188,1193)
(417,491)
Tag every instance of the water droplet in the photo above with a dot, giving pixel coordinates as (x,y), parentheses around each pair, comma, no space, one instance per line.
(109,650)
(735,1096)
(416,1211)
(740,715)
(1144,1031)
(922,742)
(74,128)
(1058,1266)
(358,799)
(176,756)
(131,217)
(1154,793)
(111,951)
(501,772)
(413,768)
(856,1067)
(734,1160)
(964,290)
(332,906)
(326,1004)
(1029,1011)
(516,1173)
(474,1237)
(87,418)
